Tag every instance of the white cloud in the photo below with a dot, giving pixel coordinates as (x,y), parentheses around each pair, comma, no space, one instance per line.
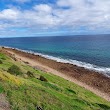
(92,14)
(21,1)
(85,12)
(9,14)
(43,8)
(70,3)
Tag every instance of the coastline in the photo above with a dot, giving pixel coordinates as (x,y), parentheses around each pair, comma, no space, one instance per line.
(91,80)
(102,70)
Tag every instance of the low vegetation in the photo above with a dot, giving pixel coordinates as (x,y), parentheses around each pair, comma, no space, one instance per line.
(1,62)
(43,91)
(30,74)
(15,70)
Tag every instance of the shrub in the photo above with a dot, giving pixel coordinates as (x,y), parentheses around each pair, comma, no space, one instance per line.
(72,91)
(30,74)
(3,58)
(104,107)
(1,62)
(15,70)
(1,88)
(43,79)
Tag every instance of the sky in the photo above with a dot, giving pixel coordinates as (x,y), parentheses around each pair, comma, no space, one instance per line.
(24,18)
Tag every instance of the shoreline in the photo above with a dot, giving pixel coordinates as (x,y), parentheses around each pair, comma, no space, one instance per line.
(101,70)
(91,80)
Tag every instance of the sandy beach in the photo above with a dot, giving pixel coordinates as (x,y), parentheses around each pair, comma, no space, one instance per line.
(93,81)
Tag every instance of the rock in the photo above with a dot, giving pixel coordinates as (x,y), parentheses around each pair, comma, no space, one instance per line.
(39,108)
(43,79)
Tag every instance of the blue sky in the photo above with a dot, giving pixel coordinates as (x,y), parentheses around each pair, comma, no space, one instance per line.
(19,18)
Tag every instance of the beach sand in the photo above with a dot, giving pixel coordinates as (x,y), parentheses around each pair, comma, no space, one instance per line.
(91,80)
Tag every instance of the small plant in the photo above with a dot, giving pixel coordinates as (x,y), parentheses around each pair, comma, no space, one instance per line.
(72,91)
(3,58)
(1,88)
(1,62)
(43,79)
(30,74)
(15,70)
(105,107)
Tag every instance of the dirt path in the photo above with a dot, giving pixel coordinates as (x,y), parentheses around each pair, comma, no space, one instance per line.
(4,105)
(45,68)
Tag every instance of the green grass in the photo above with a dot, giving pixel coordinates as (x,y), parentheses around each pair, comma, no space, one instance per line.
(1,88)
(26,93)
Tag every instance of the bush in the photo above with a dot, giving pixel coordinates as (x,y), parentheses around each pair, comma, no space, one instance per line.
(15,70)
(72,91)
(104,107)
(3,58)
(43,79)
(30,74)
(1,62)
(1,88)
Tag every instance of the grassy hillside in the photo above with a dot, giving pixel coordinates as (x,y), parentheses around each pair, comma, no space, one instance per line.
(31,89)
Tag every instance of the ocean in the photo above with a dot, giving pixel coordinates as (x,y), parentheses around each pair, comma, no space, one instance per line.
(88,51)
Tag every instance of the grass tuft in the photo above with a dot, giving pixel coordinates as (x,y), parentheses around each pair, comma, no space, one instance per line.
(15,70)
(1,62)
(30,74)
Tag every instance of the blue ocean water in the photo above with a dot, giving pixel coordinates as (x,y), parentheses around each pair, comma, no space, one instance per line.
(91,51)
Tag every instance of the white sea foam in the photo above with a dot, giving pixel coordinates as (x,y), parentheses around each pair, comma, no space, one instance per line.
(103,70)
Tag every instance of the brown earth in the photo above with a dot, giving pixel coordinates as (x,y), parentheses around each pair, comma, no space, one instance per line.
(4,104)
